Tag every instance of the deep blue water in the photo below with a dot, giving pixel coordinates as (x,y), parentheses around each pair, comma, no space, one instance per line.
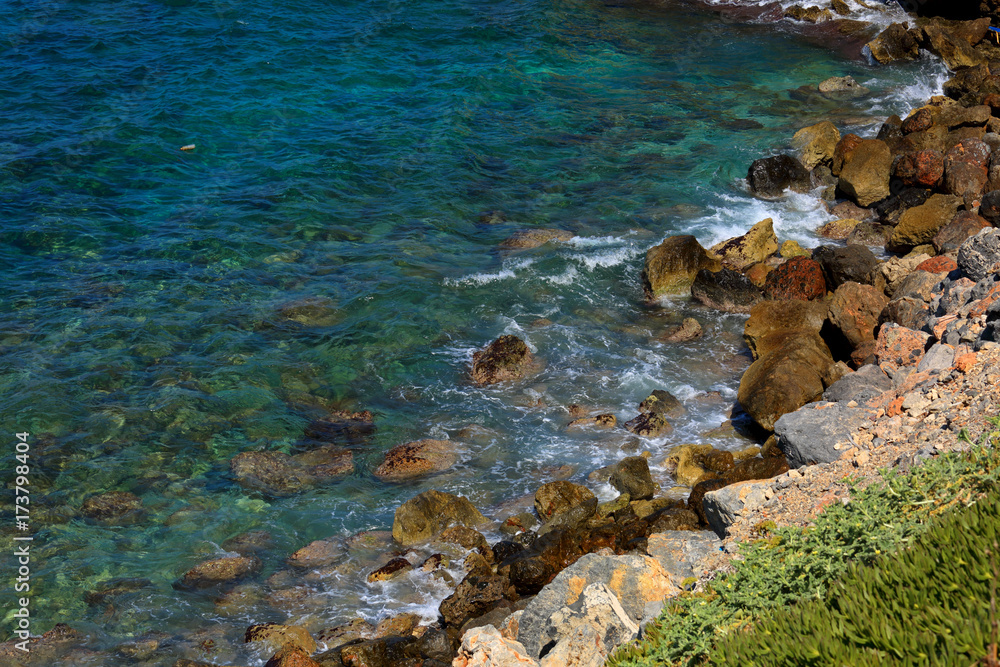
(346,152)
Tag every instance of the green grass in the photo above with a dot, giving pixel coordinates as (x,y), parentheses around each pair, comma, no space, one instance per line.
(791,570)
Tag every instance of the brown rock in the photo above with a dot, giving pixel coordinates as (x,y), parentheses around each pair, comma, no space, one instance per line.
(965,168)
(744,471)
(864,178)
(786,317)
(275,636)
(428,514)
(274,473)
(357,628)
(399,625)
(415,459)
(962,226)
(791,249)
(919,225)
(844,152)
(219,571)
(649,425)
(689,330)
(391,570)
(756,245)
(556,498)
(905,311)
(798,278)
(918,121)
(533,238)
(854,311)
(603,421)
(291,656)
(112,505)
(894,44)
(690,463)
(954,50)
(920,169)
(898,346)
(383,652)
(869,234)
(319,553)
(671,267)
(505,359)
(816,144)
(316,311)
(838,229)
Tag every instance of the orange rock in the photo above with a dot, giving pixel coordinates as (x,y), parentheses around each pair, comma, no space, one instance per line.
(291,656)
(965,361)
(895,408)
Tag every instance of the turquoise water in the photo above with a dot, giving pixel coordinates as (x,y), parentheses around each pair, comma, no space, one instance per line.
(369,156)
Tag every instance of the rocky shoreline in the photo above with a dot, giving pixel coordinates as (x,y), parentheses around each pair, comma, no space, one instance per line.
(861,361)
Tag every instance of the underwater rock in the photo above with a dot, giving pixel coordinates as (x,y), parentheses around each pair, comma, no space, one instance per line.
(422,517)
(415,459)
(111,506)
(216,571)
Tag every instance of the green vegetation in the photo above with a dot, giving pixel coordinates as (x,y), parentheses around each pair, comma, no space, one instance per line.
(818,571)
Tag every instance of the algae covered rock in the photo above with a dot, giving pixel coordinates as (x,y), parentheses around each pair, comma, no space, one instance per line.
(217,571)
(111,506)
(670,267)
(505,359)
(919,225)
(556,498)
(533,238)
(631,476)
(725,290)
(422,517)
(415,459)
(865,177)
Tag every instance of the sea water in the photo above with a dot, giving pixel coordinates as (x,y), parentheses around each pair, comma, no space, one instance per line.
(369,157)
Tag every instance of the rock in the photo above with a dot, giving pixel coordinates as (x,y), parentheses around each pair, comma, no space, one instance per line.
(869,234)
(919,120)
(865,177)
(725,290)
(275,636)
(844,152)
(817,433)
(229,569)
(816,144)
(840,7)
(724,506)
(965,224)
(690,329)
(317,311)
(893,271)
(291,656)
(891,133)
(355,629)
(893,44)
(854,311)
(808,14)
(415,459)
(684,553)
(979,255)
(580,647)
(631,476)
(799,278)
(463,536)
(533,238)
(689,464)
(603,421)
(600,618)
(990,207)
(650,425)
(486,647)
(940,357)
(319,553)
(920,169)
(634,581)
(339,425)
(955,116)
(965,168)
(908,312)
(662,402)
(955,51)
(755,246)
(786,378)
(851,264)
(791,249)
(750,469)
(898,346)
(843,86)
(505,359)
(424,516)
(868,382)
(111,506)
(838,229)
(970,86)
(939,264)
(381,652)
(670,267)
(475,595)
(391,570)
(248,543)
(770,176)
(556,498)
(785,318)
(278,474)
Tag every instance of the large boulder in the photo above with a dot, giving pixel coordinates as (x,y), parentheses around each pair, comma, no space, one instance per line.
(770,176)
(854,311)
(965,224)
(920,169)
(670,267)
(560,497)
(953,49)
(861,386)
(853,263)
(634,580)
(979,256)
(785,318)
(800,278)
(817,433)
(990,207)
(505,359)
(792,374)
(966,168)
(919,225)
(422,517)
(631,476)
(894,44)
(843,152)
(725,505)
(898,346)
(415,459)
(865,177)
(816,144)
(755,246)
(725,290)
(750,469)
(587,632)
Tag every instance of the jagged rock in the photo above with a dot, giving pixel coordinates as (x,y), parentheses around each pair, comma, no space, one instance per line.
(533,238)
(556,498)
(723,506)
(785,318)
(816,144)
(865,177)
(799,278)
(920,169)
(111,506)
(288,656)
(970,86)
(631,476)
(979,255)
(586,636)
(505,359)
(725,290)
(965,168)
(357,628)
(850,264)
(770,176)
(689,330)
(955,51)
(604,421)
(940,357)
(789,376)
(898,346)
(838,229)
(893,271)
(477,594)
(861,386)
(955,116)
(744,471)
(634,580)
(274,636)
(217,571)
(854,311)
(817,433)
(869,234)
(790,249)
(649,425)
(486,647)
(380,652)
(670,267)
(415,459)
(662,402)
(684,553)
(965,224)
(581,647)
(908,312)
(428,514)
(844,151)
(809,14)
(893,44)
(755,246)
(394,568)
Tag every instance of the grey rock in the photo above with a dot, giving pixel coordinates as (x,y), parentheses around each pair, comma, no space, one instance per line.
(581,647)
(723,506)
(598,610)
(979,256)
(863,385)
(683,553)
(939,358)
(816,433)
(984,286)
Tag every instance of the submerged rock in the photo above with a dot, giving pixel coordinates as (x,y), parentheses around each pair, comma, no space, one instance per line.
(505,359)
(689,330)
(533,238)
(894,44)
(275,636)
(278,474)
(428,514)
(219,571)
(415,459)
(111,506)
(725,290)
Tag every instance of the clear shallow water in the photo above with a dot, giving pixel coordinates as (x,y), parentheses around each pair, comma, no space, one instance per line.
(347,152)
